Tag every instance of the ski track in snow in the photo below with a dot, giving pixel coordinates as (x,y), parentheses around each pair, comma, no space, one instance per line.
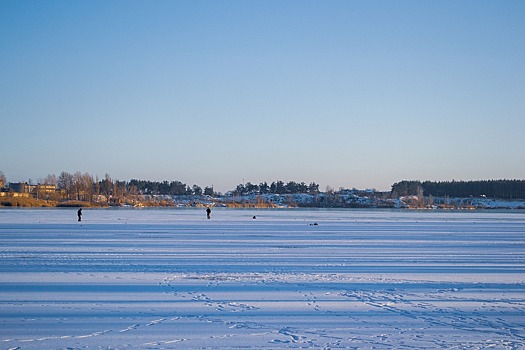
(167,279)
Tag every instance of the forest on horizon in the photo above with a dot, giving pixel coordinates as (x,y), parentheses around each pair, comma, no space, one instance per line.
(501,189)
(75,184)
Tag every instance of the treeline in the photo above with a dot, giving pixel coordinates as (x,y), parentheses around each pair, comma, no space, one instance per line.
(276,187)
(166,188)
(135,186)
(84,187)
(80,186)
(503,189)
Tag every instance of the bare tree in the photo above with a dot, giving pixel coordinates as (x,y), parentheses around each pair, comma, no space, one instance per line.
(65,183)
(3,179)
(77,184)
(87,187)
(50,179)
(106,187)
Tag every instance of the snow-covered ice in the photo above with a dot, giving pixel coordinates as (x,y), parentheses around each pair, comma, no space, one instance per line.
(294,278)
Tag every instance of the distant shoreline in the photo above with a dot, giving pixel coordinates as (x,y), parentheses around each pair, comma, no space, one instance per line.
(81,190)
(517,205)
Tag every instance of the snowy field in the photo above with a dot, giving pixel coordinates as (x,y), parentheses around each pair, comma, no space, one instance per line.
(170,279)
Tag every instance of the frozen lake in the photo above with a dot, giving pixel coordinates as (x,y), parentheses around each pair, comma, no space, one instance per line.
(170,279)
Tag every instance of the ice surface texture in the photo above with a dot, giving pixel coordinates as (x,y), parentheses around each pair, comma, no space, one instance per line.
(171,279)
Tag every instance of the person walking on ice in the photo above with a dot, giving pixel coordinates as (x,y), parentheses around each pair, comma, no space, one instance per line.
(208,213)
(79,213)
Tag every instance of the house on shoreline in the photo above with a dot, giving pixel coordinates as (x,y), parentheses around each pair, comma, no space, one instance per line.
(23,189)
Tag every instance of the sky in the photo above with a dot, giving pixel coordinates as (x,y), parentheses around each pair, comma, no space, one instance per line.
(217,93)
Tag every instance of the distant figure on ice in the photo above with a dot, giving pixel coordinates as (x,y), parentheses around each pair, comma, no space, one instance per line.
(79,213)
(208,213)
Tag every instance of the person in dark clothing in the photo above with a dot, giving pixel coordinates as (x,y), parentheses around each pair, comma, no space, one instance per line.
(79,213)
(208,213)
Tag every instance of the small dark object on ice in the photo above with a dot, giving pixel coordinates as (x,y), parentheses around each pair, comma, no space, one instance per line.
(79,213)
(314,224)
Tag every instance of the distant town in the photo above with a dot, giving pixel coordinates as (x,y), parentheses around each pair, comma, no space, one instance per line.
(83,190)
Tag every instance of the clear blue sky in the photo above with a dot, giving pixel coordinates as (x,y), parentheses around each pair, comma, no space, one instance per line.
(343,93)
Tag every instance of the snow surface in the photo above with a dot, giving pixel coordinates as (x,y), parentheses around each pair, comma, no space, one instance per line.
(170,279)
